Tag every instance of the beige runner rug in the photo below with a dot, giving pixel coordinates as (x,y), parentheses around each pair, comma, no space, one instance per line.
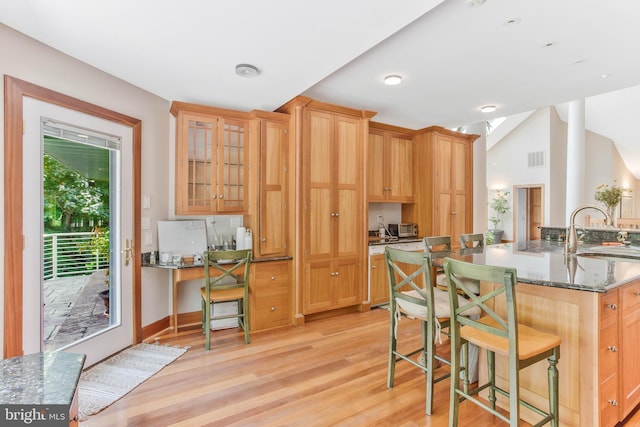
(108,381)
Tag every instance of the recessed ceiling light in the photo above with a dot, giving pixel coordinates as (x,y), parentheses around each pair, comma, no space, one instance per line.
(512,21)
(474,3)
(246,70)
(392,80)
(605,76)
(488,108)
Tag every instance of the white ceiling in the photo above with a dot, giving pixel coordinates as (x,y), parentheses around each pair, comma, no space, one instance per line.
(454,58)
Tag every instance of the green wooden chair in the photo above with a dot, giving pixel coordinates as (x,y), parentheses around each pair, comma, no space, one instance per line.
(471,240)
(442,245)
(407,274)
(226,278)
(498,332)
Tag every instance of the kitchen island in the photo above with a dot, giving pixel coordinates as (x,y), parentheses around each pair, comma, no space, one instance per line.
(592,301)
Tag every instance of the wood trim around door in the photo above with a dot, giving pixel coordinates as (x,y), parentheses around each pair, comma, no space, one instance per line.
(14,92)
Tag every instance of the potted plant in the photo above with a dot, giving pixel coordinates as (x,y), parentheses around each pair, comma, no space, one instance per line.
(610,197)
(500,206)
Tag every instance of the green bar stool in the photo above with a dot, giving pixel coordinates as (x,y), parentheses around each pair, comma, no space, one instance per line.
(471,241)
(408,274)
(498,332)
(230,282)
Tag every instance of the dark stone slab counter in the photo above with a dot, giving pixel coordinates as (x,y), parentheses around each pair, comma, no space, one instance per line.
(40,378)
(594,268)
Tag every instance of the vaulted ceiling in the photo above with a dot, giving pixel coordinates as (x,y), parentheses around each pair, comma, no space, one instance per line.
(454,56)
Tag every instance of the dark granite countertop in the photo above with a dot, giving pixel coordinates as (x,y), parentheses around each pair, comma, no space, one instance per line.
(374,241)
(145,262)
(40,378)
(594,268)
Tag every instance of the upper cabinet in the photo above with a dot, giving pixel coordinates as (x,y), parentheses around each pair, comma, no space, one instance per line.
(269,217)
(444,199)
(211,160)
(390,165)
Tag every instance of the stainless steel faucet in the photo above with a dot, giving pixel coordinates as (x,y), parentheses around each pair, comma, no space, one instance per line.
(571,245)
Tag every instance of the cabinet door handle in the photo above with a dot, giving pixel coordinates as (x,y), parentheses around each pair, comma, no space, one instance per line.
(273,308)
(214,196)
(337,213)
(264,239)
(337,273)
(454,212)
(612,306)
(373,267)
(333,273)
(613,402)
(221,196)
(273,277)
(612,348)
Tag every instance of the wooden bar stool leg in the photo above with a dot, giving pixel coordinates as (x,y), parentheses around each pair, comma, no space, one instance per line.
(428,340)
(491,362)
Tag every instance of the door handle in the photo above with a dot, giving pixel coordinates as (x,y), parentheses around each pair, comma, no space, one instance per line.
(128,247)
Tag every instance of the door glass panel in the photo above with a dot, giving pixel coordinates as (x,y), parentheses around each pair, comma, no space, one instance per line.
(77,248)
(200,157)
(233,167)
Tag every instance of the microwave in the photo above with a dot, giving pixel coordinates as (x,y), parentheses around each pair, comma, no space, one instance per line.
(403,230)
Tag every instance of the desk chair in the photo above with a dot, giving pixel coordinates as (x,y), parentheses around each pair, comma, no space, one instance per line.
(229,281)
(429,305)
(471,240)
(498,331)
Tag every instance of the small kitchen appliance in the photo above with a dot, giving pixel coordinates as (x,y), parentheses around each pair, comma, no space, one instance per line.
(405,229)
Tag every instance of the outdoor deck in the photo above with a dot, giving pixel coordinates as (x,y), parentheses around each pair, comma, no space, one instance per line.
(73,309)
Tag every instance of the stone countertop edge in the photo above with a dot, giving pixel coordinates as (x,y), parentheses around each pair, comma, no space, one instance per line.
(49,378)
(543,263)
(145,262)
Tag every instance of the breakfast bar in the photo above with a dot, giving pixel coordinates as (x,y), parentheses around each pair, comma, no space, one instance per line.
(591,300)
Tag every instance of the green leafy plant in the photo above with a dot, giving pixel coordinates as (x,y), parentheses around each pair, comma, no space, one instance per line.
(609,196)
(500,206)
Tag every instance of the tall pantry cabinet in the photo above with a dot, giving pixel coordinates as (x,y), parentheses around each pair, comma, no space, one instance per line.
(444,196)
(330,219)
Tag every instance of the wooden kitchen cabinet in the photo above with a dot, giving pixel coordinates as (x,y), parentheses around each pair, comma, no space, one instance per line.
(629,349)
(378,280)
(269,213)
(444,199)
(608,366)
(390,165)
(269,296)
(330,214)
(211,160)
(598,366)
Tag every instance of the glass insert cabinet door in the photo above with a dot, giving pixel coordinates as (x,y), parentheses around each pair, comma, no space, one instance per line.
(211,172)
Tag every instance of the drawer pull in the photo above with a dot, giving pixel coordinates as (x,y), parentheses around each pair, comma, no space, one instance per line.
(273,277)
(273,308)
(637,294)
(612,402)
(612,348)
(612,306)
(264,239)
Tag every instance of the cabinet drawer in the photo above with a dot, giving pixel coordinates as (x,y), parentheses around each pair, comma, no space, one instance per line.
(609,402)
(272,311)
(608,353)
(630,296)
(271,273)
(609,307)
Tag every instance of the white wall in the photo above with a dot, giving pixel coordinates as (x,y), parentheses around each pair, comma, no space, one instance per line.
(29,60)
(507,161)
(545,131)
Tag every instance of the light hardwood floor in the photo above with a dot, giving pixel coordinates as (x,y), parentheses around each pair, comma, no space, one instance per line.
(329,372)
